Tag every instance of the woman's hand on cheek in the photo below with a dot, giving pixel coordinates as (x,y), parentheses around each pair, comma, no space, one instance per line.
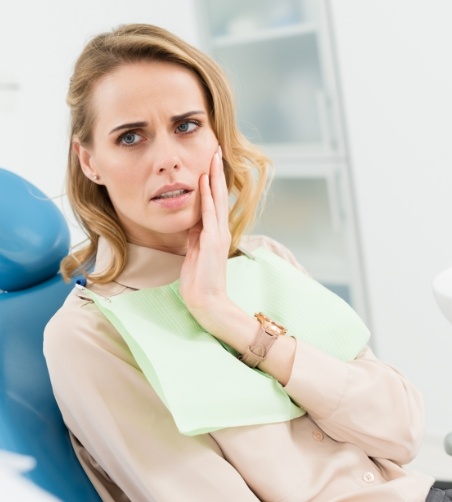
(203,274)
(203,279)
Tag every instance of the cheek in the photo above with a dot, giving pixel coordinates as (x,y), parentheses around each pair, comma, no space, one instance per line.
(204,153)
(122,184)
(118,171)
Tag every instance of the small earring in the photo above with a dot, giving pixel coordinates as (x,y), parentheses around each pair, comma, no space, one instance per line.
(95,177)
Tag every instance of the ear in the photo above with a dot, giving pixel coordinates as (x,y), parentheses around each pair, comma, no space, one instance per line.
(85,159)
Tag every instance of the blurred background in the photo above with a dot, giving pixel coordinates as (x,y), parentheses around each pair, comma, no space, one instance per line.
(351,99)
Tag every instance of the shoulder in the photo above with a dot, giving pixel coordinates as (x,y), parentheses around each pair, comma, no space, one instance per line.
(78,331)
(77,312)
(252,242)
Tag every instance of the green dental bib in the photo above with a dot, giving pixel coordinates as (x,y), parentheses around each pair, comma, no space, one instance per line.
(200,380)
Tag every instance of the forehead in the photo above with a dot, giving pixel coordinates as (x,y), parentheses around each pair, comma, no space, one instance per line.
(135,87)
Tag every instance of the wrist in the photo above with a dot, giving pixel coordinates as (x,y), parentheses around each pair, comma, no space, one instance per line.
(228,322)
(267,335)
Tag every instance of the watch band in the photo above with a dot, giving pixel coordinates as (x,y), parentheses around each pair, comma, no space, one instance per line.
(265,338)
(257,351)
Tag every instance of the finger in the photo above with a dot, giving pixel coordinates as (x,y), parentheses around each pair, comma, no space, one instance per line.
(193,240)
(219,188)
(208,214)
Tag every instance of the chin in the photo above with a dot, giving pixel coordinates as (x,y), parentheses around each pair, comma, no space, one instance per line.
(179,227)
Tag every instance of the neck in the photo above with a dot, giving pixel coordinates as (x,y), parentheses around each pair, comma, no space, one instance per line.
(173,244)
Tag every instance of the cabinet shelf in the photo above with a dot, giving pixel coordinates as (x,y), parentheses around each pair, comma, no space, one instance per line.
(303,162)
(280,96)
(264,35)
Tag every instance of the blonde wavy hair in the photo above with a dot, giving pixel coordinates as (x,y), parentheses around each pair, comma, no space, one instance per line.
(246,167)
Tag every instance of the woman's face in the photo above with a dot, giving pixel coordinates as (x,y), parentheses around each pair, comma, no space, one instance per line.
(152,140)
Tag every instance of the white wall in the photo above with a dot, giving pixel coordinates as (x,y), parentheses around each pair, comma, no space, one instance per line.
(395,68)
(39,42)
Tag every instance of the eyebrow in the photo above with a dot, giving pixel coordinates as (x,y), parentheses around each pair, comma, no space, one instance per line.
(174,118)
(130,125)
(177,118)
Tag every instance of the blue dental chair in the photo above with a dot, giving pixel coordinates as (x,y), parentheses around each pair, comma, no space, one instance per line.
(34,237)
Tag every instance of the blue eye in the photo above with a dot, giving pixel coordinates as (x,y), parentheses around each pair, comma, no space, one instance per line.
(187,127)
(129,138)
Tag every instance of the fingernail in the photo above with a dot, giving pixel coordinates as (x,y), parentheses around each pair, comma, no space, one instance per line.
(220,152)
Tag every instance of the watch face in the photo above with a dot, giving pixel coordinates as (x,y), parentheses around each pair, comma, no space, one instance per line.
(271,327)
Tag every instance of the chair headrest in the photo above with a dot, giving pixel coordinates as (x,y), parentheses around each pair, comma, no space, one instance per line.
(34,236)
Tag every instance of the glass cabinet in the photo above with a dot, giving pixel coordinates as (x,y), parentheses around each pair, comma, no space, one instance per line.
(278,57)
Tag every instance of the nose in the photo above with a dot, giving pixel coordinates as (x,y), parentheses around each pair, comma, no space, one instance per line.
(164,169)
(165,156)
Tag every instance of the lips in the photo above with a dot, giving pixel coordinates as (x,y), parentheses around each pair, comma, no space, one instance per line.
(171,194)
(172,197)
(171,191)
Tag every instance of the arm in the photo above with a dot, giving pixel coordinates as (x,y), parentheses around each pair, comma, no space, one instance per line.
(203,278)
(363,402)
(386,409)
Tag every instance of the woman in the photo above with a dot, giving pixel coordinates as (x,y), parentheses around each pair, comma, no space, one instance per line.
(155,160)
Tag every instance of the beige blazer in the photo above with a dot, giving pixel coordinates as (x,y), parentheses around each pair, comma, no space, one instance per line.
(364,421)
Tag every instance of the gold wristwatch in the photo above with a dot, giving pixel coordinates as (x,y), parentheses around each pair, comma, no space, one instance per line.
(265,338)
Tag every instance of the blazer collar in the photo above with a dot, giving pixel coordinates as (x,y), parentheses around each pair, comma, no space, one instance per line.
(145,268)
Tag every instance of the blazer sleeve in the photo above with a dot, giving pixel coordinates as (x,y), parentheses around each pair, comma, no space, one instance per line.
(364,401)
